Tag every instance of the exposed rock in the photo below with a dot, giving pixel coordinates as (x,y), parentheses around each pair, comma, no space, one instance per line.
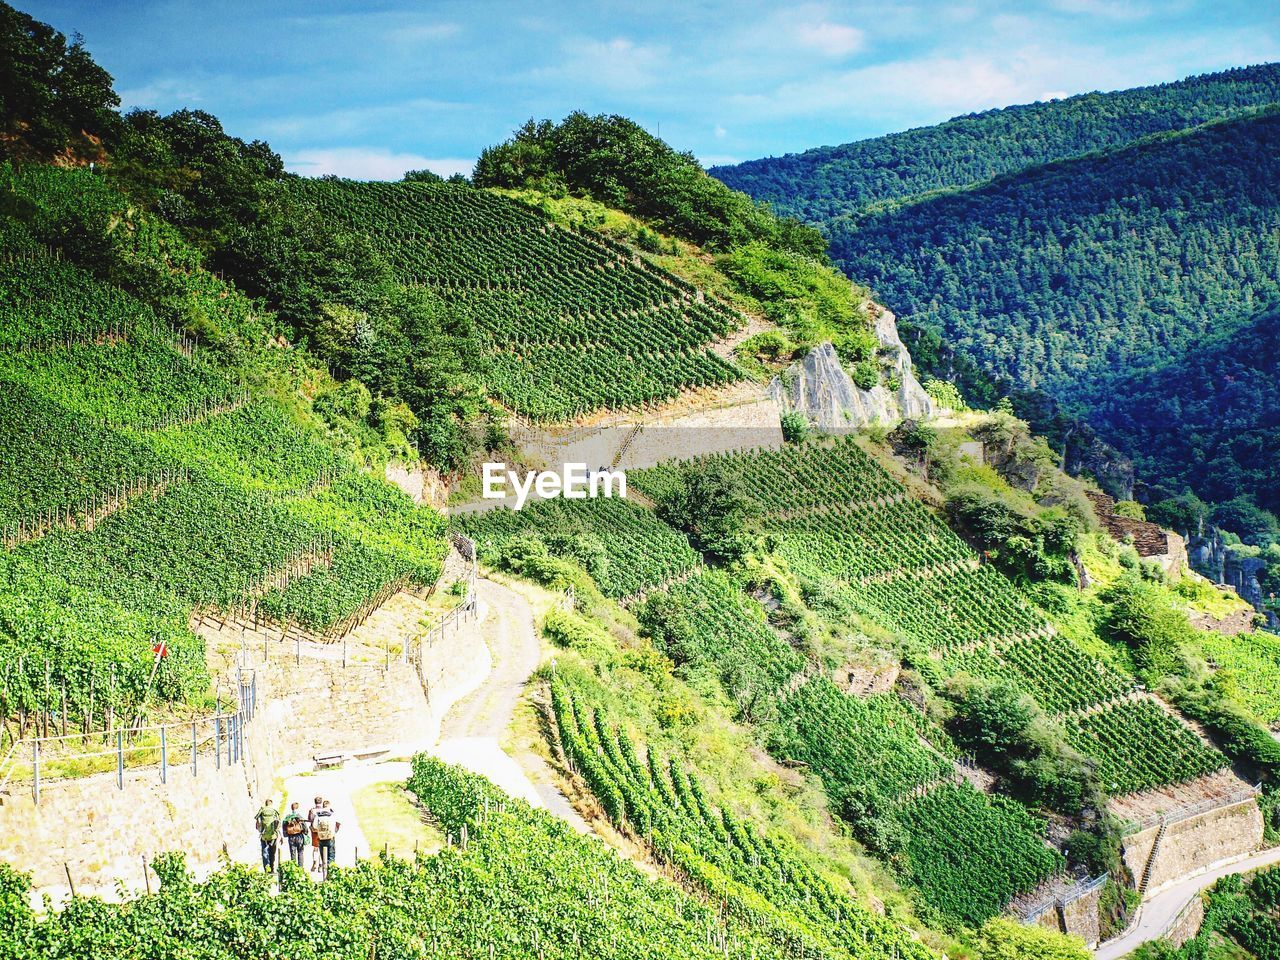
(819,387)
(1151,540)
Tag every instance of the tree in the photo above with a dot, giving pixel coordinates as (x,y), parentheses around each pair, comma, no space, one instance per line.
(1003,938)
(708,505)
(54,98)
(616,161)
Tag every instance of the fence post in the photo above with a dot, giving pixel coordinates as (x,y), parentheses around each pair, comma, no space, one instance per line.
(217,740)
(120,759)
(194,752)
(35,766)
(164,755)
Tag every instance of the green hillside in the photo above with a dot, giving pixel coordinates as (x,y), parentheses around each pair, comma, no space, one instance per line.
(828,182)
(149,477)
(848,543)
(569,322)
(1206,417)
(1073,276)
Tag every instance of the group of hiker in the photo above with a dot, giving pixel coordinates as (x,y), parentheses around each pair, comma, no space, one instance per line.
(317,829)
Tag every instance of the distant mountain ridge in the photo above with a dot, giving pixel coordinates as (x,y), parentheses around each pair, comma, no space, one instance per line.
(1078,276)
(830,181)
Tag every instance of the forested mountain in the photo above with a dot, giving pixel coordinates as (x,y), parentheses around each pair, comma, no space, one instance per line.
(1071,275)
(1209,419)
(827,182)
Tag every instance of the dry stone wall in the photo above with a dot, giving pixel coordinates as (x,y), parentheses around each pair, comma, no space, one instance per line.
(100,833)
(1194,844)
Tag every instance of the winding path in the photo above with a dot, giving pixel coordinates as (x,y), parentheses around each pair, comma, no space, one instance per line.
(472,733)
(1159,913)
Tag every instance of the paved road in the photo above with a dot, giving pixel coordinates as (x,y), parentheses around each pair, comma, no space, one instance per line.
(1159,913)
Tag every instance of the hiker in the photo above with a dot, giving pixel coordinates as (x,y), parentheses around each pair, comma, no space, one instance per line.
(295,831)
(326,827)
(311,828)
(268,824)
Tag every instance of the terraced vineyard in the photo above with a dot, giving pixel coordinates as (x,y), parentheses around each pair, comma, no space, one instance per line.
(1137,745)
(765,879)
(1252,662)
(1058,675)
(139,483)
(573,322)
(971,854)
(852,533)
(632,550)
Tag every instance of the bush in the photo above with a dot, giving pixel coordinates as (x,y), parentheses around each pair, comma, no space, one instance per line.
(1130,509)
(795,427)
(1006,939)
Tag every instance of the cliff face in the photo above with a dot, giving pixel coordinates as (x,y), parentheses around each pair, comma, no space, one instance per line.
(819,387)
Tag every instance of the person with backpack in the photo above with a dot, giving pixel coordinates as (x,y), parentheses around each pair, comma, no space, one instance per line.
(267,823)
(295,832)
(311,828)
(326,827)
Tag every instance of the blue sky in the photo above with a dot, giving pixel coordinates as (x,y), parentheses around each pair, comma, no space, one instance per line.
(372,89)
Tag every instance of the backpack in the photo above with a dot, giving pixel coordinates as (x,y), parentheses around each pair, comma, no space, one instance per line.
(323,826)
(293,827)
(269,821)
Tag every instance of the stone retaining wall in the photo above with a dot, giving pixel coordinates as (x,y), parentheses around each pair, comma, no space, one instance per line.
(1195,844)
(1188,922)
(101,833)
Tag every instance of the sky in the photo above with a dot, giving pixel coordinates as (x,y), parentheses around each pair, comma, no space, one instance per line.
(371,89)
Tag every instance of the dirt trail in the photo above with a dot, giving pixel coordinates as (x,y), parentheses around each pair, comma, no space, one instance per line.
(472,732)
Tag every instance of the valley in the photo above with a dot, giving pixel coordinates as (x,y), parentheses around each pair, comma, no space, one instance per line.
(865,663)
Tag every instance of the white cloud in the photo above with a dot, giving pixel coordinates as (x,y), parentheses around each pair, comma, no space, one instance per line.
(371,163)
(355,122)
(831,39)
(619,64)
(931,84)
(720,132)
(425,32)
(1054,95)
(1109,9)
(162,94)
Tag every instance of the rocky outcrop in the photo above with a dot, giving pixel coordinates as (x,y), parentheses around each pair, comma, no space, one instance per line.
(1151,540)
(820,387)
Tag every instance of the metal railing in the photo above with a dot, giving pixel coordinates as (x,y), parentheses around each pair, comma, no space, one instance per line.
(218,738)
(1185,813)
(1065,897)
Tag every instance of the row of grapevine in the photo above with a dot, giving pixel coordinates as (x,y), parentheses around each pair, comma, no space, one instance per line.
(763,879)
(142,382)
(1057,673)
(572,323)
(49,305)
(859,746)
(1137,745)
(970,854)
(624,547)
(856,546)
(706,621)
(949,610)
(835,473)
(52,461)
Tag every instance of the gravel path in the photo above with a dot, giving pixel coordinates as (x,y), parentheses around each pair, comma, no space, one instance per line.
(473,730)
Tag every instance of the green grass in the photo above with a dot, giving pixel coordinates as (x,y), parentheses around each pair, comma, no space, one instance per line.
(390,819)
